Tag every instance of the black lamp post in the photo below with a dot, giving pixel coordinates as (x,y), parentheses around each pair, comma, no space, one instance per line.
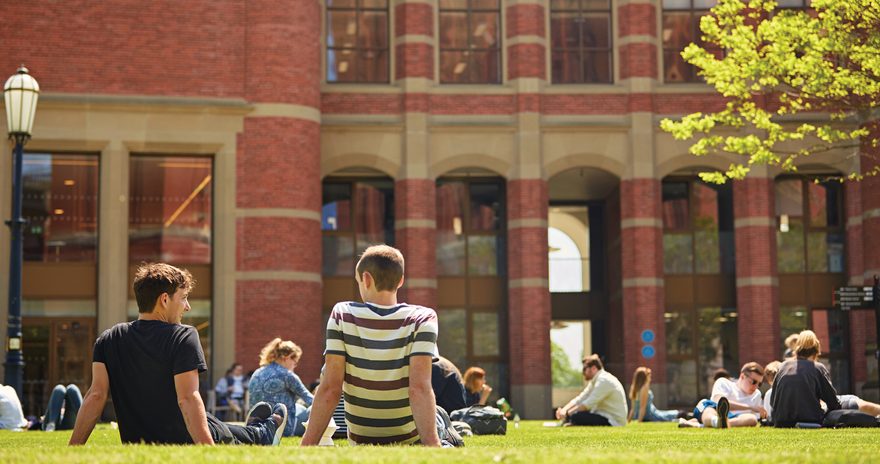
(20,93)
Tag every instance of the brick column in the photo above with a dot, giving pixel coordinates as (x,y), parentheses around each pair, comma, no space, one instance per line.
(528,297)
(757,283)
(526,40)
(637,42)
(859,327)
(278,199)
(416,236)
(870,253)
(641,250)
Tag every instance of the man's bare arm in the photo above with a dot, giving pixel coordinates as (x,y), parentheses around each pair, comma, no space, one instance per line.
(93,404)
(191,406)
(326,399)
(421,399)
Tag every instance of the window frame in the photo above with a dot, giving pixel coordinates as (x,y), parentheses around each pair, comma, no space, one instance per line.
(808,227)
(582,52)
(498,49)
(357,50)
(693,12)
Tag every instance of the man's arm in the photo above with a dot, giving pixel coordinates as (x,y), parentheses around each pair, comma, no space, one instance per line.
(93,404)
(421,399)
(326,399)
(600,390)
(191,406)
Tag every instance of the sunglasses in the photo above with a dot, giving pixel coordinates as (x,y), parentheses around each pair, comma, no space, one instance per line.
(755,382)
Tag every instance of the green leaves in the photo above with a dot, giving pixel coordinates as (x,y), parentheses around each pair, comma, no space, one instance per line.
(823,65)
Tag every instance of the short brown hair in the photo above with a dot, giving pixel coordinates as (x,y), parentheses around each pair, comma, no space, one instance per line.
(470,378)
(770,371)
(151,280)
(752,367)
(593,361)
(385,264)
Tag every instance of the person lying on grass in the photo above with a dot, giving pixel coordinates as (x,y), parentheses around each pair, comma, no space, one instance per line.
(379,353)
(733,403)
(152,366)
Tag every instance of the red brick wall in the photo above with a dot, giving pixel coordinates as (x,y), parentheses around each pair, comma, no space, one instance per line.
(526,60)
(414,199)
(413,19)
(637,19)
(525,20)
(414,60)
(638,60)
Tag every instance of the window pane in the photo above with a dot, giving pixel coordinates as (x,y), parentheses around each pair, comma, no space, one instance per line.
(453,4)
(486,334)
(679,334)
(374,3)
(341,3)
(564,30)
(341,29)
(676,213)
(825,204)
(718,344)
(682,381)
(374,211)
(452,336)
(338,255)
(676,4)
(341,65)
(597,31)
(373,30)
(566,67)
(597,67)
(170,209)
(678,257)
(450,253)
(484,4)
(453,30)
(60,205)
(825,252)
(484,30)
(792,320)
(454,67)
(704,4)
(708,250)
(485,67)
(485,207)
(596,4)
(675,68)
(336,210)
(564,4)
(483,255)
(789,197)
(790,247)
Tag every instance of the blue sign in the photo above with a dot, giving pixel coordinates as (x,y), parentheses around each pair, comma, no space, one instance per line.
(647,335)
(648,352)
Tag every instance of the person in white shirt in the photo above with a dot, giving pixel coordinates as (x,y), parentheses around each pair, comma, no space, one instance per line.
(733,403)
(770,371)
(603,401)
(11,415)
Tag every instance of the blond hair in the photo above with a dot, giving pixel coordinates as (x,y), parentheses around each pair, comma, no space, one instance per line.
(770,371)
(791,341)
(639,380)
(808,345)
(279,349)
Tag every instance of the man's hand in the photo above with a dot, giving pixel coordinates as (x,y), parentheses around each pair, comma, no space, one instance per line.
(560,414)
(92,405)
(326,399)
(760,410)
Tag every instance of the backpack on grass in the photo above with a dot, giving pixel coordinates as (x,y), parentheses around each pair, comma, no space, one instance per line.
(484,420)
(849,418)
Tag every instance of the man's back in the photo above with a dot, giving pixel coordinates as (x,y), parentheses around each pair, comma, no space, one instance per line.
(142,358)
(377,342)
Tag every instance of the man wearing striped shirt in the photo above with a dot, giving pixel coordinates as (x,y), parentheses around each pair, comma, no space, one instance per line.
(379,355)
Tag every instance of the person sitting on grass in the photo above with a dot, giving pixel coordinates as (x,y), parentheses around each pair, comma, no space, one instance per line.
(770,371)
(11,414)
(379,353)
(275,382)
(447,385)
(642,400)
(151,366)
(477,391)
(733,403)
(602,402)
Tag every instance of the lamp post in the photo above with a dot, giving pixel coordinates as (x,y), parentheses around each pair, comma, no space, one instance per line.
(20,94)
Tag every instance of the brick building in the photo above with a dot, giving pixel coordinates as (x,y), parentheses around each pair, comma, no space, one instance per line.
(238,138)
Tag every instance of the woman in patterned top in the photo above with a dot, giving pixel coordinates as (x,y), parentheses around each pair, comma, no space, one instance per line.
(275,382)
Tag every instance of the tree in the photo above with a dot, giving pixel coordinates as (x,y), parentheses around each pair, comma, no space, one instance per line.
(563,374)
(823,64)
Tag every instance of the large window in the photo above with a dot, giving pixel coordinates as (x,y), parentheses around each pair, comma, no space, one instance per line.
(170,219)
(681,27)
(354,216)
(471,269)
(60,204)
(810,236)
(581,41)
(470,41)
(698,342)
(697,228)
(357,41)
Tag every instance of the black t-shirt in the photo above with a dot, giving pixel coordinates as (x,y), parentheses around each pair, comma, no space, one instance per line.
(797,389)
(142,358)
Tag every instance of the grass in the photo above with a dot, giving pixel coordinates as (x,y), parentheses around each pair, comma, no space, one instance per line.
(530,443)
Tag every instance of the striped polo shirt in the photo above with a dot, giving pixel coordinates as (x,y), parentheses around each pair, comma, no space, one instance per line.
(377,342)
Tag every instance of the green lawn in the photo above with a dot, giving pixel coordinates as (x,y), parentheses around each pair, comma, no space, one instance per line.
(531,443)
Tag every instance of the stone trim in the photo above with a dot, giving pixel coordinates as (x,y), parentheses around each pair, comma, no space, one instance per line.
(853,221)
(639,39)
(765,281)
(634,2)
(278,212)
(869,274)
(510,3)
(285,110)
(530,282)
(641,222)
(414,39)
(529,39)
(642,282)
(871,213)
(754,221)
(415,224)
(295,276)
(527,223)
(420,283)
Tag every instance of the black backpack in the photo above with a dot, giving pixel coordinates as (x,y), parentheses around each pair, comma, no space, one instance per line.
(484,420)
(849,418)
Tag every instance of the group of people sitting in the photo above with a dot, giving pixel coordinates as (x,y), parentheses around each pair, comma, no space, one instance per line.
(800,394)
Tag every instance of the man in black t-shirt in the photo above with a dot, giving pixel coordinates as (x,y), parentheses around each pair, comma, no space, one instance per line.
(151,366)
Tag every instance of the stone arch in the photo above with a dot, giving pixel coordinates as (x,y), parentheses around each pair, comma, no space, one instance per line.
(585,160)
(482,161)
(330,165)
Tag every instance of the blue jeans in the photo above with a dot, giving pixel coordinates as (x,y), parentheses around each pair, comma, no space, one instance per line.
(71,399)
(297,418)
